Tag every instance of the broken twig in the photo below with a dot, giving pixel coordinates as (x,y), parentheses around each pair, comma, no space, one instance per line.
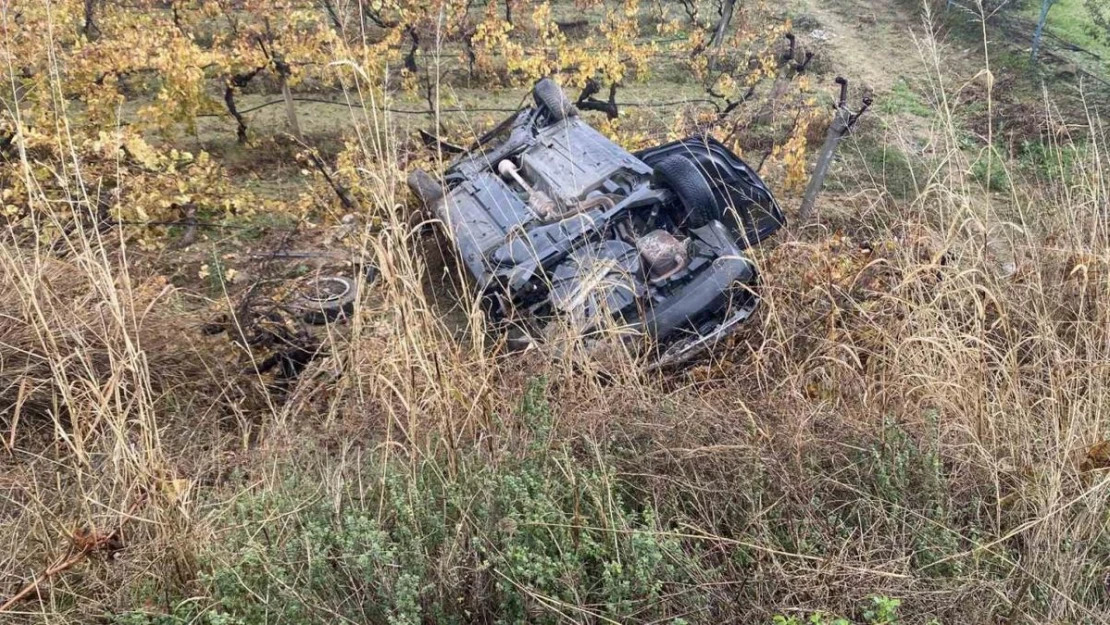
(85,544)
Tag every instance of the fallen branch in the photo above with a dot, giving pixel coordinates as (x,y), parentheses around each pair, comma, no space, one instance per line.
(86,544)
(340,191)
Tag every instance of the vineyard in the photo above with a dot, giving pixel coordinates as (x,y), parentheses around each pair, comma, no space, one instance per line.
(166,77)
(911,428)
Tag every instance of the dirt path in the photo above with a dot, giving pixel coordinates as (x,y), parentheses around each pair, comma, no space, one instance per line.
(872,43)
(866,42)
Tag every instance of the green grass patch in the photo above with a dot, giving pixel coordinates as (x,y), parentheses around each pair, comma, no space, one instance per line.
(1038,161)
(1048,162)
(991,170)
(878,163)
(1070,20)
(902,99)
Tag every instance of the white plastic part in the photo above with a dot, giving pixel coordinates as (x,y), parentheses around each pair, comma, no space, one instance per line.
(507,168)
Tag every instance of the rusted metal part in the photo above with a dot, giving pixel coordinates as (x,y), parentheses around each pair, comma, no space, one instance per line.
(663,253)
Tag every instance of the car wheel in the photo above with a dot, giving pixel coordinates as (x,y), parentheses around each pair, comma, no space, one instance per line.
(550,96)
(682,176)
(326,299)
(428,189)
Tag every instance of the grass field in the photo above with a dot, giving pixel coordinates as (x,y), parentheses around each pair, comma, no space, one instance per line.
(1070,20)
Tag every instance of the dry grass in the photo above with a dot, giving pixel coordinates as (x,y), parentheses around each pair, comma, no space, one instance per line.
(908,418)
(105,407)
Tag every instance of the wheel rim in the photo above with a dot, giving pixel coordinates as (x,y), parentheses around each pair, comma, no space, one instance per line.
(327,290)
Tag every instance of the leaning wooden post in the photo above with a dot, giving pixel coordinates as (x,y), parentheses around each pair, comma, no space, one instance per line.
(842,122)
(283,71)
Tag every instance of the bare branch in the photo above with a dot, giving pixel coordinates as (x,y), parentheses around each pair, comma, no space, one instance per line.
(587,102)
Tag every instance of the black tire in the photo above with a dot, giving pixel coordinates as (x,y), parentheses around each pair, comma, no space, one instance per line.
(425,187)
(326,299)
(549,95)
(682,176)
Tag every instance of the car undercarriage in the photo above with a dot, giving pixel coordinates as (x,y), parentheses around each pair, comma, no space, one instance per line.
(555,222)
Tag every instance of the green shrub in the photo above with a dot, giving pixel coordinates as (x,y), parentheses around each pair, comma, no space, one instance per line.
(521,542)
(879,611)
(910,479)
(817,618)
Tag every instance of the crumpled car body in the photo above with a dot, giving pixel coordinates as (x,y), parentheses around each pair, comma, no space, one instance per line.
(555,221)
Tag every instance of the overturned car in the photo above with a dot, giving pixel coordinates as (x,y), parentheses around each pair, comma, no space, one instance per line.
(556,222)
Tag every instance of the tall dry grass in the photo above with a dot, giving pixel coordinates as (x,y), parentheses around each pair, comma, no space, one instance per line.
(978,322)
(974,325)
(111,411)
(973,322)
(99,391)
